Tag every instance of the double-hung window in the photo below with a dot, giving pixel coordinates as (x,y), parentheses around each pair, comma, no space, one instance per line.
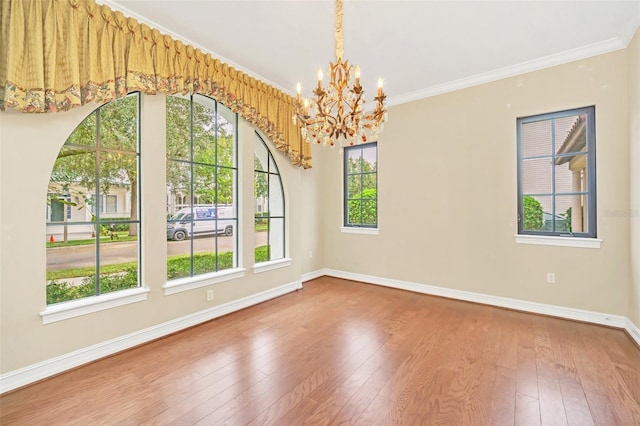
(557,174)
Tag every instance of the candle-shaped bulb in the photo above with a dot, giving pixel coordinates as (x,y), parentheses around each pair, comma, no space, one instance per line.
(298,88)
(305,103)
(379,82)
(358,72)
(320,75)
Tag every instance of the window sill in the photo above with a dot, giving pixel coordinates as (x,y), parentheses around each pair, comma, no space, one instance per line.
(76,308)
(546,240)
(270,265)
(190,283)
(357,230)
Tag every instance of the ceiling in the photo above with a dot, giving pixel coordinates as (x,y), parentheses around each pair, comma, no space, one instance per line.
(420,48)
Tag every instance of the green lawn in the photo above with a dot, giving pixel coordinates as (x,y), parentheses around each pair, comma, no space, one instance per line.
(125,275)
(122,236)
(89,270)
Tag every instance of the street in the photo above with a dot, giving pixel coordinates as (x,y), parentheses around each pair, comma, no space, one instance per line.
(111,253)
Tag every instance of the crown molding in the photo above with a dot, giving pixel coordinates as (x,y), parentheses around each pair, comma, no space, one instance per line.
(606,46)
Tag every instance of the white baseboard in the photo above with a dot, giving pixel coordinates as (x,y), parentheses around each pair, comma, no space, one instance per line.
(504,302)
(633,330)
(44,369)
(312,275)
(24,376)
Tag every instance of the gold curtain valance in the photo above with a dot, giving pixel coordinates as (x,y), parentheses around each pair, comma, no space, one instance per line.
(60,54)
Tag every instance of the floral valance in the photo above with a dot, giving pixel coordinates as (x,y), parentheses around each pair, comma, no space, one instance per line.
(60,54)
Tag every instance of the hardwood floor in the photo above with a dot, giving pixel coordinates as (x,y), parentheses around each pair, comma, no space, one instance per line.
(344,352)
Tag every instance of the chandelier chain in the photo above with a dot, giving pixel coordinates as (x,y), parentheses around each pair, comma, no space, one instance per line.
(338,33)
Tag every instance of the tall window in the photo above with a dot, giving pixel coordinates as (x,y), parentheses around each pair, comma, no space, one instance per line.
(361,185)
(201,187)
(269,205)
(557,174)
(99,158)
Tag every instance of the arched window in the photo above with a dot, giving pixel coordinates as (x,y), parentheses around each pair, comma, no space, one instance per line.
(93,219)
(269,205)
(201,166)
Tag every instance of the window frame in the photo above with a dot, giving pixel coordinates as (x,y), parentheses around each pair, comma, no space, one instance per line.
(284,260)
(75,307)
(591,181)
(360,228)
(106,204)
(102,204)
(193,280)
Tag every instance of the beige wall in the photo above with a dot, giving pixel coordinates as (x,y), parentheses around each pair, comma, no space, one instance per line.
(28,148)
(312,216)
(447,192)
(447,208)
(634,157)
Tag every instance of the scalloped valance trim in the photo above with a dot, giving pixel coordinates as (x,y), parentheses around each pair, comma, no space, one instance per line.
(56,55)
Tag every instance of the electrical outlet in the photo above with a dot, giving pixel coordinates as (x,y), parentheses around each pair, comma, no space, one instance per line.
(551,278)
(209,295)
(310,254)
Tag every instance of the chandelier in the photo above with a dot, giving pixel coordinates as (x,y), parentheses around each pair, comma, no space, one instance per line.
(336,114)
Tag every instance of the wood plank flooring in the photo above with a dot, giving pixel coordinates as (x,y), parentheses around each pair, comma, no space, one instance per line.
(342,352)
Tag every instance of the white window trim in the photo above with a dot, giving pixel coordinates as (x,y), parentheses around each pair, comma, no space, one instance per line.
(88,305)
(189,283)
(359,230)
(271,264)
(547,240)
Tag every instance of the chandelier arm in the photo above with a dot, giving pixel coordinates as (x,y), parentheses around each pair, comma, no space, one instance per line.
(333,121)
(329,105)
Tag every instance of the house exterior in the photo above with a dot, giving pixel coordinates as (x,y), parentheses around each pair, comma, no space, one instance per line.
(77,204)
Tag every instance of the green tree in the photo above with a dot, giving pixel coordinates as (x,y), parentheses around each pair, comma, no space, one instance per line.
(361,189)
(108,138)
(533,214)
(113,128)
(363,208)
(567,218)
(261,182)
(212,150)
(361,175)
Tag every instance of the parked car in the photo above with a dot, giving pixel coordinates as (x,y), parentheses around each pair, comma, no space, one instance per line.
(206,220)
